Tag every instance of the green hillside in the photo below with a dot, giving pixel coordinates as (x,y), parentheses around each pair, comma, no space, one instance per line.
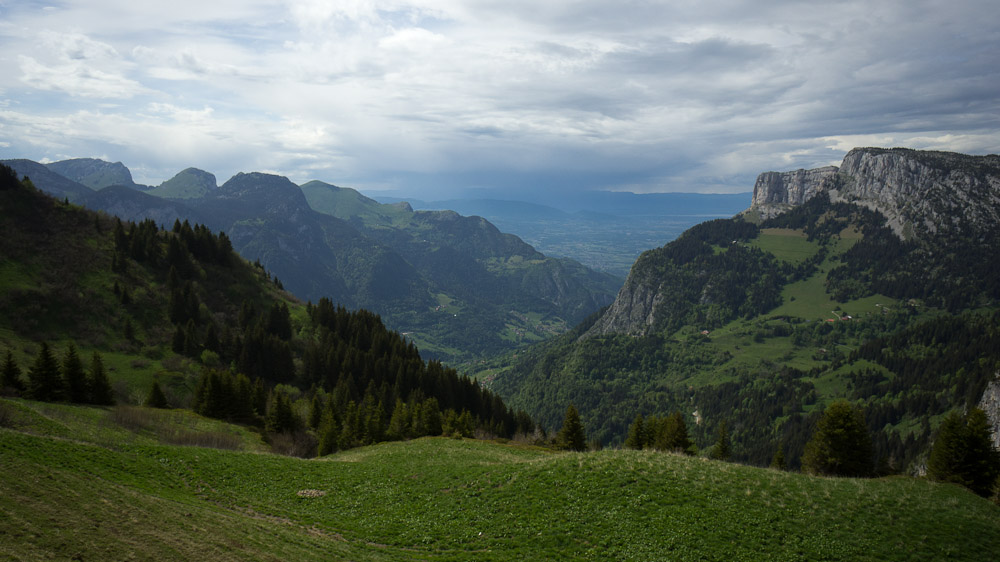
(762,326)
(187,184)
(179,309)
(446,499)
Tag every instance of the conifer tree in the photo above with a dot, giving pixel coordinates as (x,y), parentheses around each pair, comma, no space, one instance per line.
(329,434)
(636,438)
(156,398)
(99,387)
(963,453)
(841,444)
(10,375)
(399,423)
(778,460)
(673,435)
(315,411)
(721,449)
(571,436)
(44,380)
(432,416)
(74,377)
(281,417)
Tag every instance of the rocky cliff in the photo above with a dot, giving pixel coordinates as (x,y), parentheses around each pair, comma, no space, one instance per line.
(775,192)
(919,192)
(990,403)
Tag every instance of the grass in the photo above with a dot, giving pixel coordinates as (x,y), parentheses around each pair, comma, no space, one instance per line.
(786,244)
(447,499)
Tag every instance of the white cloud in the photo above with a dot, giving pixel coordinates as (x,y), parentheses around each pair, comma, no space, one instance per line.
(647,95)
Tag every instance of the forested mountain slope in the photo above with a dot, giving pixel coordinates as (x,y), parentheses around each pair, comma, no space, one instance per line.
(215,333)
(456,285)
(762,322)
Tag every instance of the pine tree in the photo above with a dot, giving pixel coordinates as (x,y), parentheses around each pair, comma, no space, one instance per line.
(329,434)
(99,387)
(281,417)
(74,377)
(10,375)
(673,435)
(721,449)
(571,436)
(963,453)
(44,381)
(841,444)
(315,411)
(399,423)
(636,438)
(156,398)
(778,460)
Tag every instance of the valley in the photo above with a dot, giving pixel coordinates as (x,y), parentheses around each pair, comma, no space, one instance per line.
(329,430)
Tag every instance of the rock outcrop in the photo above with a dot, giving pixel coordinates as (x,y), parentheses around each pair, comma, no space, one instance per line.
(990,403)
(633,312)
(776,192)
(919,192)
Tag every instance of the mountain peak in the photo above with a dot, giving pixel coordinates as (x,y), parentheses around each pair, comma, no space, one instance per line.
(93,173)
(187,184)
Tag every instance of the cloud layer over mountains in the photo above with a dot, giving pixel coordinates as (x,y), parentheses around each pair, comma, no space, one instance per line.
(430,97)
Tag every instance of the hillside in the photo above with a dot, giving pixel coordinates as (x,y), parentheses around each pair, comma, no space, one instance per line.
(761,323)
(447,499)
(455,285)
(215,333)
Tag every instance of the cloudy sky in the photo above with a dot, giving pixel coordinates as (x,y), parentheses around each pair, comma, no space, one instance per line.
(427,98)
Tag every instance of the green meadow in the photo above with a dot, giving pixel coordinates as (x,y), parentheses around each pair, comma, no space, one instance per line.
(106,483)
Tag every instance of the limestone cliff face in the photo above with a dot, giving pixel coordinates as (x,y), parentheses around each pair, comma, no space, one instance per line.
(633,312)
(919,192)
(776,192)
(924,192)
(990,403)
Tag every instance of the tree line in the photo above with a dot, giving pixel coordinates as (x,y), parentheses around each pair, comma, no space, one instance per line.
(50,380)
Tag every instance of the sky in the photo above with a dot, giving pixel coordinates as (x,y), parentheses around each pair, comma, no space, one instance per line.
(446,98)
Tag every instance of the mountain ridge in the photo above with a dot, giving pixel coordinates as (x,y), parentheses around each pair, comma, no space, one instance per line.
(457,285)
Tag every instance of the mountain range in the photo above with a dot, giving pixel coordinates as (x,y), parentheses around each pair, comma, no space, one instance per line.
(456,285)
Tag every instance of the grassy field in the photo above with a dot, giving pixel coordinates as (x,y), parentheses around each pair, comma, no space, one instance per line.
(69,492)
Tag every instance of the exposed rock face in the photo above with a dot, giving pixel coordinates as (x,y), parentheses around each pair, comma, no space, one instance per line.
(776,192)
(922,192)
(632,313)
(919,192)
(990,403)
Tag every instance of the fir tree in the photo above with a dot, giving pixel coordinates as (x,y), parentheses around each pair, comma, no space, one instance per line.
(778,460)
(721,449)
(329,434)
(636,438)
(99,386)
(156,398)
(10,375)
(571,436)
(963,453)
(315,411)
(399,423)
(841,444)
(44,381)
(74,377)
(673,435)
(281,417)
